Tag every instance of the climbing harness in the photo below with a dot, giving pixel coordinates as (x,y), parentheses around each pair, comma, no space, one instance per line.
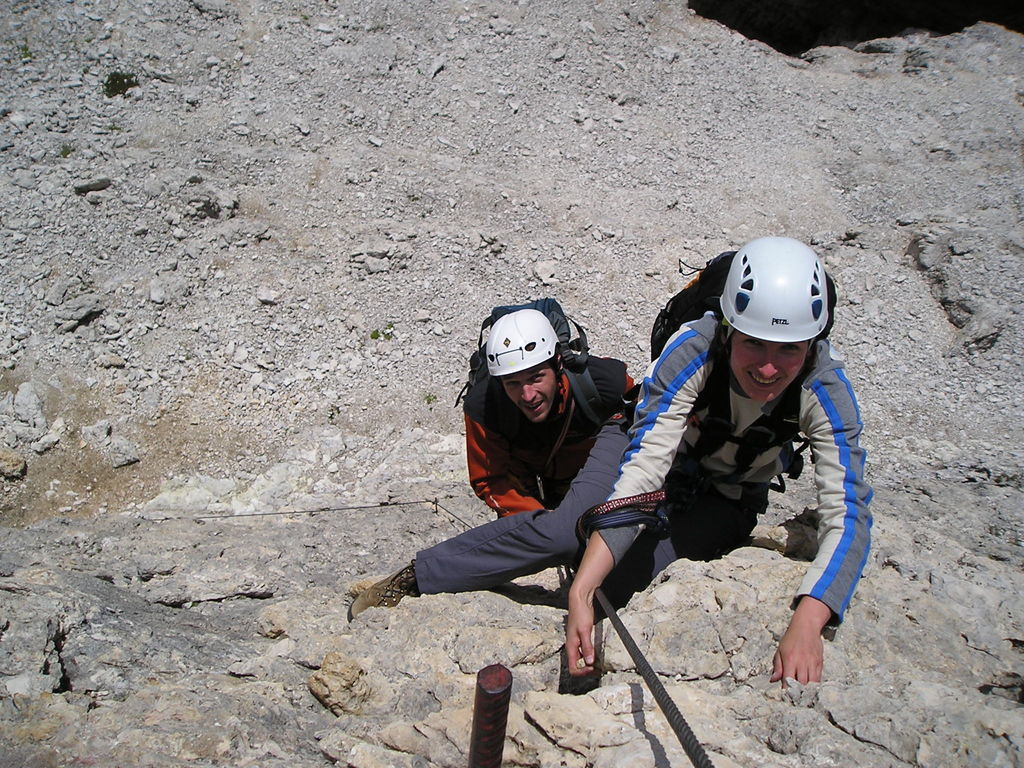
(550,461)
(777,428)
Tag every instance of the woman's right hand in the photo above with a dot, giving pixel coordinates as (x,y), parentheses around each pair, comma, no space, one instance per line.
(597,563)
(579,632)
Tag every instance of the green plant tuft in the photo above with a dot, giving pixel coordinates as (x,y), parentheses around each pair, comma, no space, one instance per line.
(66,150)
(333,413)
(386,333)
(118,83)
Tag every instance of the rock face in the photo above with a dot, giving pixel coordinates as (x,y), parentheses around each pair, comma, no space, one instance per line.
(239,299)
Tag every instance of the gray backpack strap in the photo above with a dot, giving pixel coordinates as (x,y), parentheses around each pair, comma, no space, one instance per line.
(584,392)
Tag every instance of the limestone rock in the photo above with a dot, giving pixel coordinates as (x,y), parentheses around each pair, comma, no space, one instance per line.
(12,464)
(340,685)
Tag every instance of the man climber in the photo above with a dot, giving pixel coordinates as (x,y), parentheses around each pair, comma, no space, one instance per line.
(531,425)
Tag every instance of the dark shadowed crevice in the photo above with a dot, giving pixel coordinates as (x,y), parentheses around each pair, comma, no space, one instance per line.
(795,26)
(56,665)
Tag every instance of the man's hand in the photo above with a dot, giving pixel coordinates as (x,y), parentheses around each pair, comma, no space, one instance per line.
(800,654)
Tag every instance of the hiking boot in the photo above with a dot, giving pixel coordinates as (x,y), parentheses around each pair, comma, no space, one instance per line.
(388,592)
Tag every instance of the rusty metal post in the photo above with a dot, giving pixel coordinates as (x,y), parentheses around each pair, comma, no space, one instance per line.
(490,716)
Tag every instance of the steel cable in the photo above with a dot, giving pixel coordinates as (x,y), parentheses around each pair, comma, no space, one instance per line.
(675,718)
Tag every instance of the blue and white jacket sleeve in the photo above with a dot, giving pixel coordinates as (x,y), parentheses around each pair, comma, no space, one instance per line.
(831,419)
(666,398)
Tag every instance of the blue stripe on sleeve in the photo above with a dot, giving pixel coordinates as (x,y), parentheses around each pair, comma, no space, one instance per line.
(652,412)
(850,478)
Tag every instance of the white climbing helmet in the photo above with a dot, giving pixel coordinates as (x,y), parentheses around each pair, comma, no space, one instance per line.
(519,340)
(776,291)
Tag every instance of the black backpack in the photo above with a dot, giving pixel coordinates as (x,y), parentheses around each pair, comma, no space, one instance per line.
(574,352)
(781,426)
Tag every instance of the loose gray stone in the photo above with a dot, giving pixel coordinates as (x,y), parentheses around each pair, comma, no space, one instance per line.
(97,434)
(95,184)
(28,408)
(122,451)
(110,360)
(78,311)
(266,295)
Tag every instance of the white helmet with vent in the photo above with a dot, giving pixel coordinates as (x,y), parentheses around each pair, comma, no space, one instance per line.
(776,291)
(519,340)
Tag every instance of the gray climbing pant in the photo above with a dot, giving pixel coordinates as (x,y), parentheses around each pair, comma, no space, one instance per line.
(519,545)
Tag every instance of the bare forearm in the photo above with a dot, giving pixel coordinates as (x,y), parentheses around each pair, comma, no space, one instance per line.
(595,566)
(811,614)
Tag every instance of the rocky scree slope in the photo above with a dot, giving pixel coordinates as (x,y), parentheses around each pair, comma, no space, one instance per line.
(248,285)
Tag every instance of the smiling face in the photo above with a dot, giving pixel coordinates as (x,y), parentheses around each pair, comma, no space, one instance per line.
(765,368)
(533,391)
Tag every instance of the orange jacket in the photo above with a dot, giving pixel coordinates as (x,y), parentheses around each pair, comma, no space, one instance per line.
(512,463)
